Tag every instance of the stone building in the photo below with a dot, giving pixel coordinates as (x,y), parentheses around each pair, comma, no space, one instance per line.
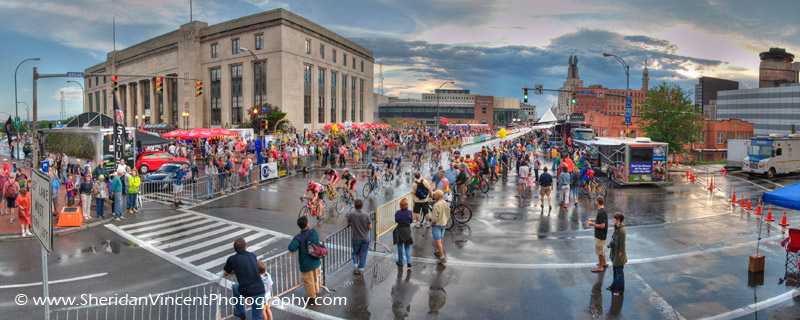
(314,75)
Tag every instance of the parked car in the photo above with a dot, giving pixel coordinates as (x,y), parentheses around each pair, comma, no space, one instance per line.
(166,174)
(27,149)
(153,160)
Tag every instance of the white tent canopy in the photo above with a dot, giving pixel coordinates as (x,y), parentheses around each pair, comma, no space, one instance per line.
(548,117)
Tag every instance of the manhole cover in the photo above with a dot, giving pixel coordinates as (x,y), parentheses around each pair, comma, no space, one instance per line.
(508,215)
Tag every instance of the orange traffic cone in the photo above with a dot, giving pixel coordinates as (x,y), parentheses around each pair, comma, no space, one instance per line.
(749,204)
(758,209)
(733,198)
(769,215)
(711,184)
(670,162)
(784,222)
(741,202)
(678,162)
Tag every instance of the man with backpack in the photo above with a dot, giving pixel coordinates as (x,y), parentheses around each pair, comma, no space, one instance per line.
(422,191)
(310,266)
(244,265)
(587,174)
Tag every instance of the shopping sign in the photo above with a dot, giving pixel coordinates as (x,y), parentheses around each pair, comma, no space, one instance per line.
(269,171)
(42,209)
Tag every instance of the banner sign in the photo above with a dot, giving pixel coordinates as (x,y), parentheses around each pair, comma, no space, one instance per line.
(269,171)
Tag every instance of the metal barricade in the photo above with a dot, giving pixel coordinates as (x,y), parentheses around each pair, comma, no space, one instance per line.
(206,303)
(384,218)
(168,190)
(339,246)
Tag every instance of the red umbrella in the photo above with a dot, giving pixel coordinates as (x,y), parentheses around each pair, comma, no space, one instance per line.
(202,133)
(223,132)
(175,134)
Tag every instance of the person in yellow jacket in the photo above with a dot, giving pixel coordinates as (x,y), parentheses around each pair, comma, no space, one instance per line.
(133,191)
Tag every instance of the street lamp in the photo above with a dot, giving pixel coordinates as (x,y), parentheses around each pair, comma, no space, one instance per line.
(627,79)
(260,75)
(437,97)
(16,107)
(185,120)
(27,111)
(82,91)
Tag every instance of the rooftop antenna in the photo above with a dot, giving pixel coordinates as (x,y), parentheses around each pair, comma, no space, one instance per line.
(63,110)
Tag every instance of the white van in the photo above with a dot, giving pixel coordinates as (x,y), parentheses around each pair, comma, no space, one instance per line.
(773,155)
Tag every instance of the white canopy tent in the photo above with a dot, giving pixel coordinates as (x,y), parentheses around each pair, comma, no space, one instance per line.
(548,117)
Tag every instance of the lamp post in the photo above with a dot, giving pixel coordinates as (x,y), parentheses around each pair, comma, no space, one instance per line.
(82,91)
(627,80)
(185,120)
(27,111)
(260,75)
(437,98)
(16,107)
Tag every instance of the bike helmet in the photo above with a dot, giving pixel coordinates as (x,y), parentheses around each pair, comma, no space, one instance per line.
(310,182)
(370,163)
(346,170)
(328,167)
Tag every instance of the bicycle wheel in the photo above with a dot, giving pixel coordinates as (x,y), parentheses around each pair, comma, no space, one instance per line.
(601,190)
(461,213)
(450,224)
(304,212)
(584,191)
(484,186)
(367,191)
(340,205)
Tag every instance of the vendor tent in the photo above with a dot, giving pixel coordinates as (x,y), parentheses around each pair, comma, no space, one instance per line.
(787,197)
(548,117)
(175,134)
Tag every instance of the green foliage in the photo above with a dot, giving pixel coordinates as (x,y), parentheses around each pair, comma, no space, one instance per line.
(73,144)
(669,116)
(273,116)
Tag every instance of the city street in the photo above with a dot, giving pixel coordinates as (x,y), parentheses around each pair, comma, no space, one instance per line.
(687,251)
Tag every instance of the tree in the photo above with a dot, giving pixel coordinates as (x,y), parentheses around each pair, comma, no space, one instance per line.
(272,116)
(669,116)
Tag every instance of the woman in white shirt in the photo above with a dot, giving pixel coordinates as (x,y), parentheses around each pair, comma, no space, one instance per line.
(522,179)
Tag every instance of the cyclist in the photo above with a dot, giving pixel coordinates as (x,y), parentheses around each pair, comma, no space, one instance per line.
(333,178)
(587,174)
(372,172)
(316,194)
(388,165)
(418,157)
(349,181)
(399,163)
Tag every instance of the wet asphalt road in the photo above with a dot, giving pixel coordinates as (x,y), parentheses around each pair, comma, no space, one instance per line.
(687,251)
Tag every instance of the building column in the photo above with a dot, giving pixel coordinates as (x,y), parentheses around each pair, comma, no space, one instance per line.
(168,102)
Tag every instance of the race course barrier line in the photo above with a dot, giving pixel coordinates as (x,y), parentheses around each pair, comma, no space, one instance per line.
(384,217)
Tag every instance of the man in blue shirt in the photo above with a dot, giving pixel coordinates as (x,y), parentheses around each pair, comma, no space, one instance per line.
(545,186)
(116,192)
(55,186)
(452,173)
(244,265)
(177,185)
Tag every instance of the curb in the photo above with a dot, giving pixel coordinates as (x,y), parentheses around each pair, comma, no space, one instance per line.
(60,232)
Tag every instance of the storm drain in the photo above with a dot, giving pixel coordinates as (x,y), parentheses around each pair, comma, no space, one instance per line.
(508,215)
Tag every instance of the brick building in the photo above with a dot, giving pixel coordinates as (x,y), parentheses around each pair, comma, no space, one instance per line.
(713,145)
(606,113)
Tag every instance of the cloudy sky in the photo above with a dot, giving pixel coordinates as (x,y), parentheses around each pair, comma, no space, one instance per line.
(491,47)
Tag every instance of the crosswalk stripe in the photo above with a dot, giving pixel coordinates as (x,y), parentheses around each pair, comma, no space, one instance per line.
(220,241)
(129,226)
(221,260)
(218,248)
(162,242)
(177,227)
(162,225)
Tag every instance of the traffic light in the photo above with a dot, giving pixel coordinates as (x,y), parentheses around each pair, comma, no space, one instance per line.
(574,97)
(198,88)
(526,95)
(159,85)
(113,84)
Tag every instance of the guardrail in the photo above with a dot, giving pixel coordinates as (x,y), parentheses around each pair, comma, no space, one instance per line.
(339,246)
(384,218)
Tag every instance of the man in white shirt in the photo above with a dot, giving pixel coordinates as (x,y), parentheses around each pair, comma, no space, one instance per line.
(172,149)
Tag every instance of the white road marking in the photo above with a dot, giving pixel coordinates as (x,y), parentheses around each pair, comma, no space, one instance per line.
(128,226)
(303,312)
(173,244)
(667,312)
(202,244)
(217,249)
(242,225)
(753,183)
(184,225)
(253,248)
(753,307)
(22,285)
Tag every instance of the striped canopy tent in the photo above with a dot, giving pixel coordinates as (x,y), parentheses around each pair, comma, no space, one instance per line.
(175,134)
(223,132)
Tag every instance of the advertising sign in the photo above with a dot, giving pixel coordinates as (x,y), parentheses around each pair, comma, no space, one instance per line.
(42,209)
(659,153)
(269,171)
(641,168)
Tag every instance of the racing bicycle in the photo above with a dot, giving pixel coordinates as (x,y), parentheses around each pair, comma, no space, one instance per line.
(593,188)
(310,209)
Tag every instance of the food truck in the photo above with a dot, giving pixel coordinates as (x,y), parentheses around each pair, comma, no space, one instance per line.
(773,155)
(632,160)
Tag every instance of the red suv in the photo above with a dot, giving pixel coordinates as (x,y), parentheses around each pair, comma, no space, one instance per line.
(152,161)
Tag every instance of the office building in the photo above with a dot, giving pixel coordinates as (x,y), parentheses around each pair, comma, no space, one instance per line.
(705,94)
(314,75)
(776,68)
(770,110)
(459,106)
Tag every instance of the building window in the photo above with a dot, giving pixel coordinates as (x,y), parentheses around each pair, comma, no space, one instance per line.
(333,55)
(260,41)
(173,91)
(354,63)
(361,100)
(362,65)
(322,52)
(91,107)
(344,61)
(146,98)
(105,98)
(259,82)
(308,46)
(216,94)
(333,96)
(483,110)
(160,104)
(306,93)
(344,98)
(321,100)
(702,137)
(105,79)
(236,94)
(720,137)
(353,99)
(214,52)
(235,46)
(739,135)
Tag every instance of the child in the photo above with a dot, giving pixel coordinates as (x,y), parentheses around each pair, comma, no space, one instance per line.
(70,190)
(24,214)
(266,313)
